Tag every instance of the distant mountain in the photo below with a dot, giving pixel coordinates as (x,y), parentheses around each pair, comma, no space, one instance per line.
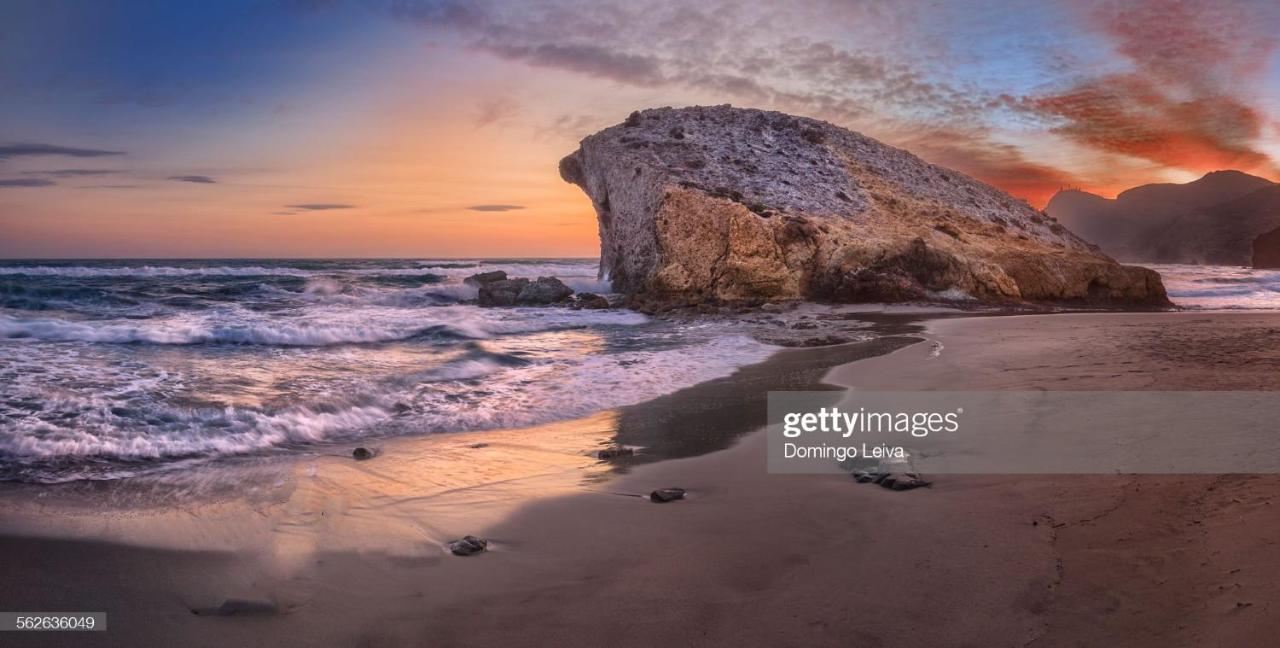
(1212,220)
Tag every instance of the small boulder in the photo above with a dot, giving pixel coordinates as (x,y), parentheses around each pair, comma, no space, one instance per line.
(502,292)
(484,278)
(240,607)
(864,477)
(468,546)
(544,291)
(590,301)
(361,453)
(892,481)
(664,495)
(903,481)
(615,452)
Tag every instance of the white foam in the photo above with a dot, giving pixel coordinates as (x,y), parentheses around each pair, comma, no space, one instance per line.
(317,327)
(1220,287)
(120,418)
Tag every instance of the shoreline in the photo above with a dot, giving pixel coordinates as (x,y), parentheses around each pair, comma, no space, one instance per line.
(748,557)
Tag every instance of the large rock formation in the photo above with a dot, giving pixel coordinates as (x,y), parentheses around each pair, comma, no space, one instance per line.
(495,289)
(1212,220)
(1266,250)
(728,204)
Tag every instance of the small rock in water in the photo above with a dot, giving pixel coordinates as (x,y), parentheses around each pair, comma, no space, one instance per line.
(664,495)
(362,453)
(590,301)
(468,546)
(239,607)
(613,453)
(483,278)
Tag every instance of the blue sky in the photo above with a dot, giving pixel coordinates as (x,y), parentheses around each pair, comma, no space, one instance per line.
(221,115)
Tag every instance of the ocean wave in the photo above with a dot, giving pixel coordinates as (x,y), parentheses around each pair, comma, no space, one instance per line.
(354,326)
(531,268)
(49,431)
(1221,287)
(278,333)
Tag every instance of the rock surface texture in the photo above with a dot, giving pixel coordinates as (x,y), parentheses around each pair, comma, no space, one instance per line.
(495,289)
(1266,250)
(738,205)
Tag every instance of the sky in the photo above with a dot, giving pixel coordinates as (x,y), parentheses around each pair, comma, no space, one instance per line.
(433,128)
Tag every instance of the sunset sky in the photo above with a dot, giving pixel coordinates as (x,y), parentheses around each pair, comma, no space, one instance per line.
(432,129)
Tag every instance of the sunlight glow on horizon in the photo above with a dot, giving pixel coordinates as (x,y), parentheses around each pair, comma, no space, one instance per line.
(401,122)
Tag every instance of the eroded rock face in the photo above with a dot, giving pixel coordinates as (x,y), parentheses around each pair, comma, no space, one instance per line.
(496,291)
(727,204)
(1266,250)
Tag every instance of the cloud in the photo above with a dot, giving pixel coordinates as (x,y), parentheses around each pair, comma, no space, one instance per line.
(72,173)
(1184,103)
(198,179)
(23,150)
(320,206)
(1149,85)
(1003,165)
(494,110)
(495,208)
(591,60)
(27,182)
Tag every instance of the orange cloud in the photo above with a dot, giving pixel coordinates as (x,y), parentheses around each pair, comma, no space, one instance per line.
(1001,165)
(1181,105)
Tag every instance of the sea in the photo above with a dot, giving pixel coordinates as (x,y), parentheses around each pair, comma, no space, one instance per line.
(1198,287)
(111,369)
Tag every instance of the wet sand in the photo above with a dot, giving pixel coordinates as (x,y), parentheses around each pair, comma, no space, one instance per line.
(352,551)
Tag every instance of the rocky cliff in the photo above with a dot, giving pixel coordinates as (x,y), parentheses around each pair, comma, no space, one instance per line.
(1210,220)
(1266,250)
(728,204)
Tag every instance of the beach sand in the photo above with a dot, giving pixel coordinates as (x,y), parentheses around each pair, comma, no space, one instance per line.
(352,551)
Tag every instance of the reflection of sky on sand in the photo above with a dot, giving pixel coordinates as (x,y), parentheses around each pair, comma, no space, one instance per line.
(417,494)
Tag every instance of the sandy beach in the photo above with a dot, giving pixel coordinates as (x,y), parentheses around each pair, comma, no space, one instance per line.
(352,552)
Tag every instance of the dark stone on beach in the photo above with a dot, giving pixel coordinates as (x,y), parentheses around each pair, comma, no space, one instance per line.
(614,453)
(892,481)
(905,481)
(664,495)
(485,278)
(362,453)
(590,301)
(477,446)
(468,546)
(240,607)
